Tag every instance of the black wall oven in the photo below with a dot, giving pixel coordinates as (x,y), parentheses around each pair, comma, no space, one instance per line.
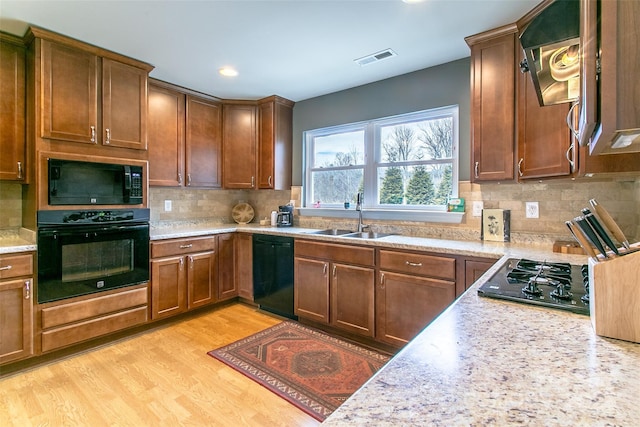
(83,252)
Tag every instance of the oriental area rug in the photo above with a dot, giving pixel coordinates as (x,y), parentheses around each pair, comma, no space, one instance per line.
(312,370)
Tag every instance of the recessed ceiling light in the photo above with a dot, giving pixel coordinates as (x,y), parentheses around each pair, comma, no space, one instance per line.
(228,72)
(412,1)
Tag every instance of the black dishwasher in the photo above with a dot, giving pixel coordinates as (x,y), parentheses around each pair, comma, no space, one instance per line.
(273,274)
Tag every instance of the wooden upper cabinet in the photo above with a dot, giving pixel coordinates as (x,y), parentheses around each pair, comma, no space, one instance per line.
(89,98)
(124,105)
(275,138)
(166,136)
(239,138)
(12,111)
(545,146)
(203,151)
(493,102)
(69,94)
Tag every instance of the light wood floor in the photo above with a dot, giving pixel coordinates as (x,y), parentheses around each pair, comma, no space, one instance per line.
(162,377)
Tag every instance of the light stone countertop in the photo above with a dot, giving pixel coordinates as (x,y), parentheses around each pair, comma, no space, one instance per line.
(489,362)
(19,240)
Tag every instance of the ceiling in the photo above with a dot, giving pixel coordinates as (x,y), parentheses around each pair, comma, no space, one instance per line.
(297,49)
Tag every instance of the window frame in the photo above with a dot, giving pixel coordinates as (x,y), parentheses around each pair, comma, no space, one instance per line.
(372,161)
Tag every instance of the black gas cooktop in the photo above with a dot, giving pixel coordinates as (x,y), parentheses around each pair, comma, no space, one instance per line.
(555,285)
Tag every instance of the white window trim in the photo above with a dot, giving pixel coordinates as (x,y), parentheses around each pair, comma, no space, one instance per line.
(401,213)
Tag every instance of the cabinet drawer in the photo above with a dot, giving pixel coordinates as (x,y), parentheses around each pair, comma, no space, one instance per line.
(94,307)
(164,248)
(338,253)
(416,263)
(16,265)
(77,332)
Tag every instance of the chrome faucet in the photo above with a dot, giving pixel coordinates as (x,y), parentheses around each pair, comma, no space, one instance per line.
(359,201)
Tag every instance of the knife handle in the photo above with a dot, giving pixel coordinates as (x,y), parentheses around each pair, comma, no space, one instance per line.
(577,234)
(590,234)
(599,229)
(610,223)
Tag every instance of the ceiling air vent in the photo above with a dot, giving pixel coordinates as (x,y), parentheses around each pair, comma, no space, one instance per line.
(375,57)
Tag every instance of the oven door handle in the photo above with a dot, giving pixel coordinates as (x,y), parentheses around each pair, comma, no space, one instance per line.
(75,230)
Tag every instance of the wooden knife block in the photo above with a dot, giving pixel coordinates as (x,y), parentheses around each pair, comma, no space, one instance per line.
(614,296)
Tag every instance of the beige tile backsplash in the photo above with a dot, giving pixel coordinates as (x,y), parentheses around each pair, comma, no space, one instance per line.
(558,201)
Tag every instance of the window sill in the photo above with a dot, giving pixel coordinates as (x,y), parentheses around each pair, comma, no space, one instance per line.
(384,214)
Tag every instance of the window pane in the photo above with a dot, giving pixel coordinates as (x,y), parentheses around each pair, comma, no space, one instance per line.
(341,149)
(415,185)
(336,187)
(421,140)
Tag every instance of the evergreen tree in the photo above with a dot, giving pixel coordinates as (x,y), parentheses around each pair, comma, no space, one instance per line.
(392,192)
(420,190)
(444,189)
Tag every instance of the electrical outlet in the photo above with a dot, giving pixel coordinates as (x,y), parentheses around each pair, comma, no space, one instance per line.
(532,210)
(478,205)
(167,205)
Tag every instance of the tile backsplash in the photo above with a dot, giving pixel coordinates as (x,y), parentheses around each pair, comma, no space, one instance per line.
(558,201)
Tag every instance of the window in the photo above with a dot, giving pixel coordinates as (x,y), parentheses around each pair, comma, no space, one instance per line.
(405,162)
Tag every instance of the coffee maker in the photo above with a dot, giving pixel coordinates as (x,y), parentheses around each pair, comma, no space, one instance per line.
(285,216)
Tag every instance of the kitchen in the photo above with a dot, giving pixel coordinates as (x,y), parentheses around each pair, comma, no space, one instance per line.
(557,199)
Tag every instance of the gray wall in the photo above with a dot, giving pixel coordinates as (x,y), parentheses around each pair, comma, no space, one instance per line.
(439,86)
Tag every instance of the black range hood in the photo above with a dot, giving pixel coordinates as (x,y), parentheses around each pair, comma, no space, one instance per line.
(551,43)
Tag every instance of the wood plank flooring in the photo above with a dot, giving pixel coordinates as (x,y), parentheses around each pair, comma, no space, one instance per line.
(162,377)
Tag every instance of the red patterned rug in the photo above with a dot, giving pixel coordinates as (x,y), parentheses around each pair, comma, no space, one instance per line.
(312,370)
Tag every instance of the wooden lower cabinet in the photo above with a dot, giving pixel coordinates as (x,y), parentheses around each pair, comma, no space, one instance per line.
(80,319)
(331,288)
(227,285)
(183,275)
(244,265)
(474,269)
(405,304)
(16,307)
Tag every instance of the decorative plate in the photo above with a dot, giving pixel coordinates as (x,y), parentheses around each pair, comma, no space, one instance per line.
(242,213)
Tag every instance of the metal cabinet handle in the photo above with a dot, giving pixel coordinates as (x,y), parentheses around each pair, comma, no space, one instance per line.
(382,280)
(27,289)
(108,140)
(413,264)
(181,262)
(334,271)
(520,166)
(190,245)
(188,179)
(253,181)
(270,180)
(190,262)
(324,269)
(571,153)
(180,178)
(93,134)
(19,170)
(476,168)
(8,267)
(570,121)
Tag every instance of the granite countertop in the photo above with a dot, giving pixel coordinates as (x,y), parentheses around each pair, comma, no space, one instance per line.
(491,362)
(18,240)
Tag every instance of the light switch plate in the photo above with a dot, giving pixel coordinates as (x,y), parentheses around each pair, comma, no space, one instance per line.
(167,205)
(532,210)
(478,205)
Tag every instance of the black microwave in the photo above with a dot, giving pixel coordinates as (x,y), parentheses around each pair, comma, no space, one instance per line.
(74,182)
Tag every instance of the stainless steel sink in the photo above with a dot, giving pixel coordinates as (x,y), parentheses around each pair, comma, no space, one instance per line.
(332,232)
(367,235)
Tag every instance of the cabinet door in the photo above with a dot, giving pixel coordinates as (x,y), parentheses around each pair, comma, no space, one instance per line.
(168,287)
(239,146)
(352,298)
(227,285)
(166,136)
(16,333)
(69,94)
(493,96)
(203,153)
(275,138)
(475,269)
(406,304)
(544,139)
(244,265)
(124,105)
(12,112)
(311,289)
(201,278)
